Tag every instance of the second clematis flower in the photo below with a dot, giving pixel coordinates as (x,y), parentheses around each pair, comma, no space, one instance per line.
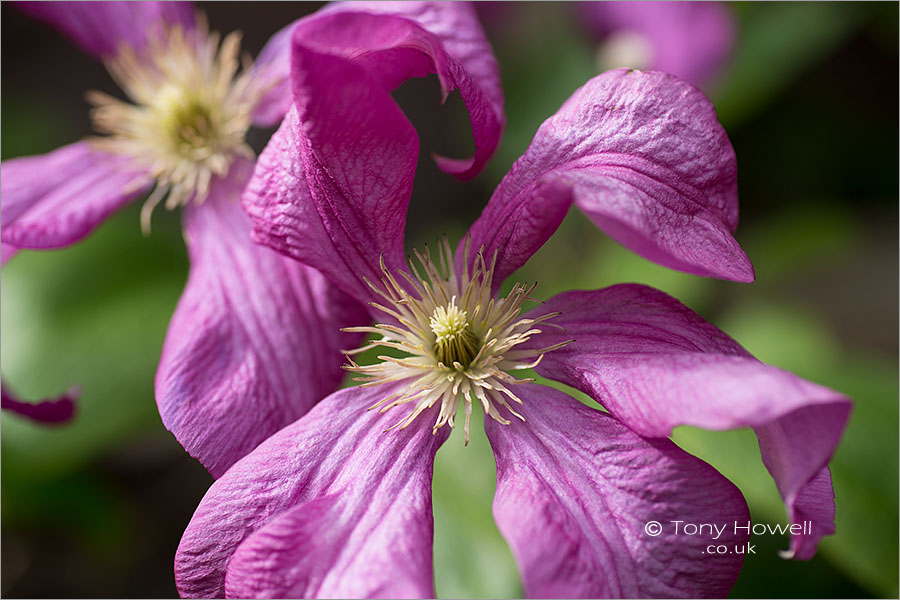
(692,40)
(338,504)
(255,338)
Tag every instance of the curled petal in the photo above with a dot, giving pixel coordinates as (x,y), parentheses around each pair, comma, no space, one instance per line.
(394,41)
(56,199)
(100,28)
(655,364)
(469,66)
(578,497)
(255,340)
(814,503)
(330,506)
(691,40)
(332,187)
(642,154)
(52,411)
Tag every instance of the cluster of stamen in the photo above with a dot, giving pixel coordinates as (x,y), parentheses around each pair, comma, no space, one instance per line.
(190,113)
(459,341)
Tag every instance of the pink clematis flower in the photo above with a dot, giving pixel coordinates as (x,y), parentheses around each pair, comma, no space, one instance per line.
(334,506)
(692,40)
(255,338)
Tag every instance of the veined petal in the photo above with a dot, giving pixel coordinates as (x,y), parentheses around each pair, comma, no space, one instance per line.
(49,411)
(56,199)
(691,40)
(576,489)
(332,187)
(330,506)
(642,154)
(394,41)
(655,364)
(255,340)
(100,28)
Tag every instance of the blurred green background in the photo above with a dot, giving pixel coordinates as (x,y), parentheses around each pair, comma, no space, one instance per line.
(809,98)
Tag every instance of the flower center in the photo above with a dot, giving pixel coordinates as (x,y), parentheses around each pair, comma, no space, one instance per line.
(187,119)
(459,340)
(189,113)
(454,341)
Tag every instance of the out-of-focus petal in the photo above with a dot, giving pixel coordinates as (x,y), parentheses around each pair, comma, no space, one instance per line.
(56,199)
(255,340)
(273,68)
(330,506)
(394,41)
(642,154)
(575,493)
(51,411)
(100,28)
(332,187)
(655,364)
(691,40)
(7,251)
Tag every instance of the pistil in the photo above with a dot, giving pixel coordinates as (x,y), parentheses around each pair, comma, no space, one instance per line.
(454,341)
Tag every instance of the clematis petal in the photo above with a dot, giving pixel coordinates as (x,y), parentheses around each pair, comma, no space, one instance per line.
(330,506)
(100,28)
(7,251)
(691,40)
(576,489)
(655,364)
(56,199)
(332,186)
(255,340)
(814,503)
(273,66)
(641,153)
(464,61)
(394,41)
(48,411)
